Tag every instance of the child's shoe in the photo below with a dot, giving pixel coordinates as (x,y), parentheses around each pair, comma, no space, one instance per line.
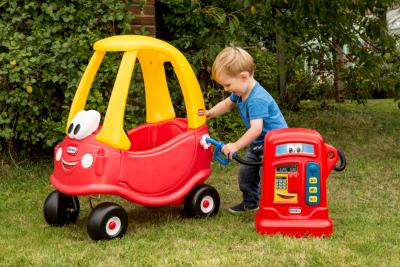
(242,208)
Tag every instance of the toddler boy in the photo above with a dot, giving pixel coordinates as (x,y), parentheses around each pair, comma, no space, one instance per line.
(234,70)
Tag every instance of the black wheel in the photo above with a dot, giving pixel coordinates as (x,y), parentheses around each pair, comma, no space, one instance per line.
(203,201)
(59,209)
(107,221)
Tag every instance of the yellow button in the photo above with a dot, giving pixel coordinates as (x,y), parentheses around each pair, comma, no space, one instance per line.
(313,189)
(313,199)
(313,180)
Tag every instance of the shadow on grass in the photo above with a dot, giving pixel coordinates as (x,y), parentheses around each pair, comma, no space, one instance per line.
(155,219)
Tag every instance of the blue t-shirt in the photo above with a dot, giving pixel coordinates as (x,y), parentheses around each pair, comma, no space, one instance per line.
(260,104)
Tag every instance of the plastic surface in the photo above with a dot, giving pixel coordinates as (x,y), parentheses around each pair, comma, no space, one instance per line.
(165,163)
(152,54)
(112,133)
(293,193)
(84,124)
(313,184)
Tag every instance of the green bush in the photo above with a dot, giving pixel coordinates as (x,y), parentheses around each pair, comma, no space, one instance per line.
(44,49)
(266,70)
(201,34)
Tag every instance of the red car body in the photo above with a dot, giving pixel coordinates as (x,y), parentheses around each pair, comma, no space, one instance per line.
(165,161)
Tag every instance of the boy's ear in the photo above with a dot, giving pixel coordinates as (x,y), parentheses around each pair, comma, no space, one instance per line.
(244,76)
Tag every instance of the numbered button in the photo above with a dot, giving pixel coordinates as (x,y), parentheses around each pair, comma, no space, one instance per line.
(313,190)
(313,180)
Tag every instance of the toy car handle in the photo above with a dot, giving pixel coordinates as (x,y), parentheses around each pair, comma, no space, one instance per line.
(342,161)
(219,145)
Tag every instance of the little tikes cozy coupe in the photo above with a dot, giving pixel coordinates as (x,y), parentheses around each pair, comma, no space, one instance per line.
(158,163)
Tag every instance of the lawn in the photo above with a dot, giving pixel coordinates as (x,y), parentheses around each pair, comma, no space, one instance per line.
(363,202)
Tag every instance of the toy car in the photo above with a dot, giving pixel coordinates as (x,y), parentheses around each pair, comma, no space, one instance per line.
(155,164)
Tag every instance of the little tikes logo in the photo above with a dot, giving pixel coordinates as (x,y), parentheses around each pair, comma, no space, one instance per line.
(200,112)
(294,210)
(72,150)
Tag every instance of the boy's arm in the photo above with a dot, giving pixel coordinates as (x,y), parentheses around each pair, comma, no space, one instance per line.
(221,108)
(255,130)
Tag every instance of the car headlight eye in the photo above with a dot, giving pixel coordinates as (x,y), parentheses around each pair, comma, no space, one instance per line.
(71,127)
(59,154)
(87,161)
(84,124)
(77,128)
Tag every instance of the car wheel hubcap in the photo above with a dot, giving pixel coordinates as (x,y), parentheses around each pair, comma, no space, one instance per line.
(207,204)
(113,226)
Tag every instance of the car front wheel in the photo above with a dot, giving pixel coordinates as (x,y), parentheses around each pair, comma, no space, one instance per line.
(59,209)
(107,221)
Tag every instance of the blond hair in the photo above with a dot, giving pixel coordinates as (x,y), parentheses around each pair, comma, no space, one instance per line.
(232,61)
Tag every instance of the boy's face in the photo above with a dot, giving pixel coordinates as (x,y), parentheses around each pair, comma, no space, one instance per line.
(237,85)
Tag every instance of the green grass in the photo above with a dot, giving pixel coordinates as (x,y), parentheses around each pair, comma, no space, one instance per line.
(363,201)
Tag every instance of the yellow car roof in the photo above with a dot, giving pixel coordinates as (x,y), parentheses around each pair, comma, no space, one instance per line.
(152,53)
(142,43)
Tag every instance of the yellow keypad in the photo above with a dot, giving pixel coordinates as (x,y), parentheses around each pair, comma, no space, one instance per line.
(313,180)
(313,199)
(313,189)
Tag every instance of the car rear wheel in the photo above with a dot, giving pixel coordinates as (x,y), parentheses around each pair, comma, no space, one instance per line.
(59,209)
(107,221)
(203,201)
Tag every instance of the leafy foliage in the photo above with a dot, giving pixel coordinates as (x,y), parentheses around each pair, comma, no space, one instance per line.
(313,32)
(45,46)
(44,49)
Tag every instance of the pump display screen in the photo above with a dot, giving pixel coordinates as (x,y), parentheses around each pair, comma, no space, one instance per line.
(286,168)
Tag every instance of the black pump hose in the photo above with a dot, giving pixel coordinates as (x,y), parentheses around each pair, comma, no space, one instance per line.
(342,161)
(248,163)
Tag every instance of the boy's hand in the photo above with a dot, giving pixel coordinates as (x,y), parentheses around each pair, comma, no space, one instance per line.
(229,150)
(208,114)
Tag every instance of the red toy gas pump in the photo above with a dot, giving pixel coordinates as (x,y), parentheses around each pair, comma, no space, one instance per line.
(293,193)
